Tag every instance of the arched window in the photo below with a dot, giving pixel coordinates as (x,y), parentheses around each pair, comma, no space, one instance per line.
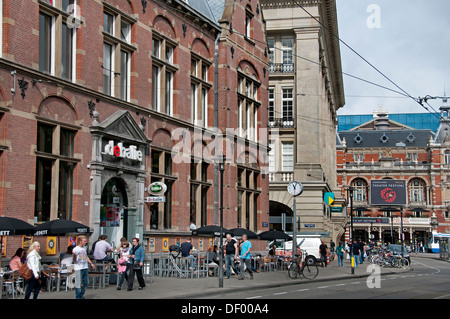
(417,192)
(359,190)
(447,157)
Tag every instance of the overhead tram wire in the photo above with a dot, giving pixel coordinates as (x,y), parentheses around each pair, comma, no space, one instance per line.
(364,59)
(318,63)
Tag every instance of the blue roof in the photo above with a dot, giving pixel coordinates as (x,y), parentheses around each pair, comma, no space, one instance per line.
(211,9)
(418,121)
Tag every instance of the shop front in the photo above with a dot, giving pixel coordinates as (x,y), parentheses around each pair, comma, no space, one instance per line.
(117,178)
(388,230)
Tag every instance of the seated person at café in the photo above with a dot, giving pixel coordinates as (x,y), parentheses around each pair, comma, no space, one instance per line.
(16,260)
(66,259)
(186,249)
(102,248)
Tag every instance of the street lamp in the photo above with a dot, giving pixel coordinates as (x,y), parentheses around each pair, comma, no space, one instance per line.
(352,256)
(221,169)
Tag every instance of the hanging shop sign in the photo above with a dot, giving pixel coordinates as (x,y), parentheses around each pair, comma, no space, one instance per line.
(157,188)
(119,150)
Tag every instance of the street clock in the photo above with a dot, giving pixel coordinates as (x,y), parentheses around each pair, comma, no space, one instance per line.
(295,188)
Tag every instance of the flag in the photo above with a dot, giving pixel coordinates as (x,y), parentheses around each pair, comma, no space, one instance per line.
(328,198)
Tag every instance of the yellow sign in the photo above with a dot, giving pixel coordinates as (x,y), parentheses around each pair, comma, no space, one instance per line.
(165,244)
(51,245)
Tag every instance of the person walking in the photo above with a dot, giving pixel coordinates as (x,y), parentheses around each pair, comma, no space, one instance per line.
(80,266)
(137,261)
(245,258)
(323,248)
(231,254)
(340,250)
(34,263)
(124,262)
(361,251)
(356,250)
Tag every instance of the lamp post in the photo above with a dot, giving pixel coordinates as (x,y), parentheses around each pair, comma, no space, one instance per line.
(352,256)
(221,169)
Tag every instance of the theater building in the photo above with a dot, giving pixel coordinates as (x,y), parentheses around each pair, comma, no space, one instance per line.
(382,149)
(100,99)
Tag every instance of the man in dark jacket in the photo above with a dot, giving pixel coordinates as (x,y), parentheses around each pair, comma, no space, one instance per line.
(323,253)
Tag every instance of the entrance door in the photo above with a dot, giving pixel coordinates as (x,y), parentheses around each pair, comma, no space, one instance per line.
(113,211)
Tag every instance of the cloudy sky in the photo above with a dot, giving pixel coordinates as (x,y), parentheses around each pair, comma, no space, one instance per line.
(407,40)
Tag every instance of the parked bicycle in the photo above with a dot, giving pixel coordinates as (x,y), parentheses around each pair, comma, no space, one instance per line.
(299,267)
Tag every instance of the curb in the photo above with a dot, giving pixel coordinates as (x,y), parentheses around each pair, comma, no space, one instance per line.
(276,285)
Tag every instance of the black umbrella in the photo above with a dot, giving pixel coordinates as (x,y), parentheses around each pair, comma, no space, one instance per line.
(58,227)
(210,230)
(241,231)
(274,234)
(14,226)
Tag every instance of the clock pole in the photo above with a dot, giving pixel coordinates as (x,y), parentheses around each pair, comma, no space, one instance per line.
(294,188)
(294,229)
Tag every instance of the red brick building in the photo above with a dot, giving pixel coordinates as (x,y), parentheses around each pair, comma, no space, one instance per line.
(383,149)
(101,99)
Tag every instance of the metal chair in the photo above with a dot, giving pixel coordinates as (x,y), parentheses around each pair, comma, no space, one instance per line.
(269,264)
(11,283)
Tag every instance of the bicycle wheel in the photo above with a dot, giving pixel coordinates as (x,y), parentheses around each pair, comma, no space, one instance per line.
(404,263)
(293,270)
(310,271)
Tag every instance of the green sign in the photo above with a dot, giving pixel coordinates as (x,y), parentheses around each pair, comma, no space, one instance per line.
(336,209)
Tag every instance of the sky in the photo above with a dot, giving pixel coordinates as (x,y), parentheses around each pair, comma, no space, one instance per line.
(407,40)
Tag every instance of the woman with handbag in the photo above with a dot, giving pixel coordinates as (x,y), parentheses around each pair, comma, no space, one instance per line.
(137,261)
(34,263)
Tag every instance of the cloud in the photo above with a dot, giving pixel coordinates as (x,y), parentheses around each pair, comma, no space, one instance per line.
(410,47)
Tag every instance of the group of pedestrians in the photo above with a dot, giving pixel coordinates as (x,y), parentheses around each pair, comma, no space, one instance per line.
(233,252)
(130,263)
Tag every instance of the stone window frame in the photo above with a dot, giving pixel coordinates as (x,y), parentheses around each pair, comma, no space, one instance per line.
(57,159)
(118,86)
(59,18)
(200,83)
(163,102)
(247,197)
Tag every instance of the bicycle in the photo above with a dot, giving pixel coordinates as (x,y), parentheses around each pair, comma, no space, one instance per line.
(299,267)
(401,262)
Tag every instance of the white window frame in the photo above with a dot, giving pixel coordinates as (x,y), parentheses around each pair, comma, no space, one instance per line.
(287,156)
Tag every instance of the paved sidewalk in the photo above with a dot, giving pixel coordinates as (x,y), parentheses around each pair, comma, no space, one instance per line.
(172,288)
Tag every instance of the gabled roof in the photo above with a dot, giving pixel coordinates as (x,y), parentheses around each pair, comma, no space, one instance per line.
(393,125)
(386,138)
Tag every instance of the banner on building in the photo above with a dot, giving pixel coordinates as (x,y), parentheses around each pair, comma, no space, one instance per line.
(388,192)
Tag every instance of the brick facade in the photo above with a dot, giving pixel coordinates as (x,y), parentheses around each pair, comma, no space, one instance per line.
(64,105)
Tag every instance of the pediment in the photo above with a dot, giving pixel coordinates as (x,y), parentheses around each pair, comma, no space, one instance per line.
(120,125)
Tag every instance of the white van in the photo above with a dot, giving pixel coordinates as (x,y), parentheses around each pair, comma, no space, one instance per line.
(309,243)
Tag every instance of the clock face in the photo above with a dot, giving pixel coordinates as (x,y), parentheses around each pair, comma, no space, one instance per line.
(295,188)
